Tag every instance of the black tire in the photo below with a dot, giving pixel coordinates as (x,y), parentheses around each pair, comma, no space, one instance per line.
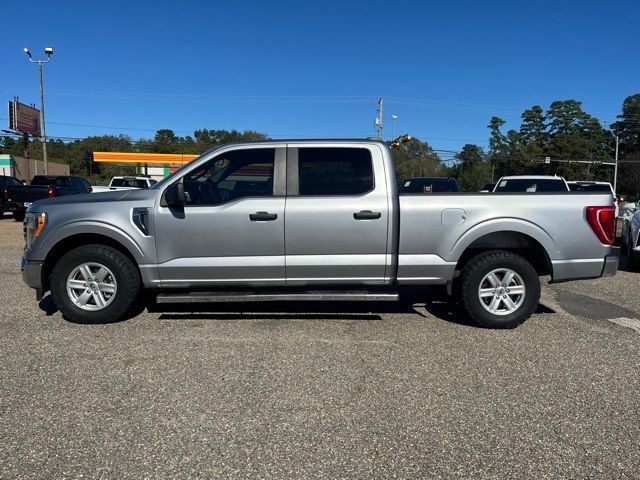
(127,296)
(632,260)
(18,216)
(481,265)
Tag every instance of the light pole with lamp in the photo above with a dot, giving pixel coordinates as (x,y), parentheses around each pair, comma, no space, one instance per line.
(394,118)
(48,52)
(615,169)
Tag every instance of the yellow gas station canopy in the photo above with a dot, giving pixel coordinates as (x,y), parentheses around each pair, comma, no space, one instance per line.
(164,159)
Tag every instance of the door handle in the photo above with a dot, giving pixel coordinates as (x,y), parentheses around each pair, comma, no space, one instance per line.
(366,215)
(262,216)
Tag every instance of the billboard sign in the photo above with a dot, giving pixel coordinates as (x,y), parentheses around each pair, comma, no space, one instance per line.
(24,119)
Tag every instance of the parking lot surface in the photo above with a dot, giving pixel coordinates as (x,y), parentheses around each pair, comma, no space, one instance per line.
(311,391)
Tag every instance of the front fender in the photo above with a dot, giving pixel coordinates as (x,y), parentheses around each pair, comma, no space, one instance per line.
(88,227)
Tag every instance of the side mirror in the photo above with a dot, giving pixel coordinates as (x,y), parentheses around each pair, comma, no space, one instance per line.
(89,189)
(174,195)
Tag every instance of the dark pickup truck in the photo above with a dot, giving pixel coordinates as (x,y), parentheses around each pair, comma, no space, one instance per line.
(5,182)
(19,197)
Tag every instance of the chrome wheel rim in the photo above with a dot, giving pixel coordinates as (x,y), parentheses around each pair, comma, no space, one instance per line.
(91,286)
(501,291)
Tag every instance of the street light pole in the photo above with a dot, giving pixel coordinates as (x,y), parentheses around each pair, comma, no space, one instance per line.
(48,51)
(615,169)
(394,118)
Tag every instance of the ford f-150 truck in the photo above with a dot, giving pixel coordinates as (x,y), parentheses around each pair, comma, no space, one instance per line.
(19,197)
(309,220)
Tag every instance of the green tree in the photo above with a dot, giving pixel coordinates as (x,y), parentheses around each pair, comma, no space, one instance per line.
(417,159)
(576,135)
(533,127)
(628,130)
(472,170)
(497,144)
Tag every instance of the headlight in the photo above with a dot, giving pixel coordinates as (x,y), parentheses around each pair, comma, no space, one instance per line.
(34,223)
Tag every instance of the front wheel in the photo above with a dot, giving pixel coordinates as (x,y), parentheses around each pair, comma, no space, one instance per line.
(500,289)
(95,284)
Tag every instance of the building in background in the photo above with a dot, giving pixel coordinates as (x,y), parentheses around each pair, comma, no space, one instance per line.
(26,169)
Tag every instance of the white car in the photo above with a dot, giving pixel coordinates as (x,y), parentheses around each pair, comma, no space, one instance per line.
(531,184)
(587,186)
(631,232)
(126,183)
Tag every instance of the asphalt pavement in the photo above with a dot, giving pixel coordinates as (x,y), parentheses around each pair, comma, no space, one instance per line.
(404,390)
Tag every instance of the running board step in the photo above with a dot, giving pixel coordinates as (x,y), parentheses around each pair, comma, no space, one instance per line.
(314,296)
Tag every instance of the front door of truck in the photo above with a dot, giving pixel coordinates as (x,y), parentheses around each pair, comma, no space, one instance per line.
(337,215)
(231,228)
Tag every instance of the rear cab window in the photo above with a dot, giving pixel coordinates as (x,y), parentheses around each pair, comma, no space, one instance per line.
(57,181)
(129,182)
(590,187)
(428,185)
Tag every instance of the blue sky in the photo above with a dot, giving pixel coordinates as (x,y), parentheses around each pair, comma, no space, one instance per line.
(315,69)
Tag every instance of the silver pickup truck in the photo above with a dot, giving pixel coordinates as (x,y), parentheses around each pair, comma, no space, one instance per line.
(309,220)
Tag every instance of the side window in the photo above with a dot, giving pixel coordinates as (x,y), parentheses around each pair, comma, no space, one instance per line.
(232,175)
(335,171)
(62,181)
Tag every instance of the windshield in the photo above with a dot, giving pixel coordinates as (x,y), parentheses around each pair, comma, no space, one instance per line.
(531,185)
(169,178)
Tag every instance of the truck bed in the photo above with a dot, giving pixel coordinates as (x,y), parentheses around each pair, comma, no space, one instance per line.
(434,230)
(27,193)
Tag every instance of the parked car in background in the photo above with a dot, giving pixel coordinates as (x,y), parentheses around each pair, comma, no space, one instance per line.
(429,185)
(126,183)
(588,186)
(631,233)
(19,197)
(531,184)
(5,182)
(314,220)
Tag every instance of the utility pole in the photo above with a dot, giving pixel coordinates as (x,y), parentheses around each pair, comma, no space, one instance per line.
(378,121)
(43,132)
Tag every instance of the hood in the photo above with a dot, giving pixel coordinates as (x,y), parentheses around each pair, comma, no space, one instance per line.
(101,197)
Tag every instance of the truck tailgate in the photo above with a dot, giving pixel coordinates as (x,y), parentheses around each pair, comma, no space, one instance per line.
(27,193)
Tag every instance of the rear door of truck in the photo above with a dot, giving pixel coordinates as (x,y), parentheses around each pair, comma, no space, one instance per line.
(337,215)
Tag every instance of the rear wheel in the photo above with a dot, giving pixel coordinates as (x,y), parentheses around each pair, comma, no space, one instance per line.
(95,284)
(500,289)
(632,260)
